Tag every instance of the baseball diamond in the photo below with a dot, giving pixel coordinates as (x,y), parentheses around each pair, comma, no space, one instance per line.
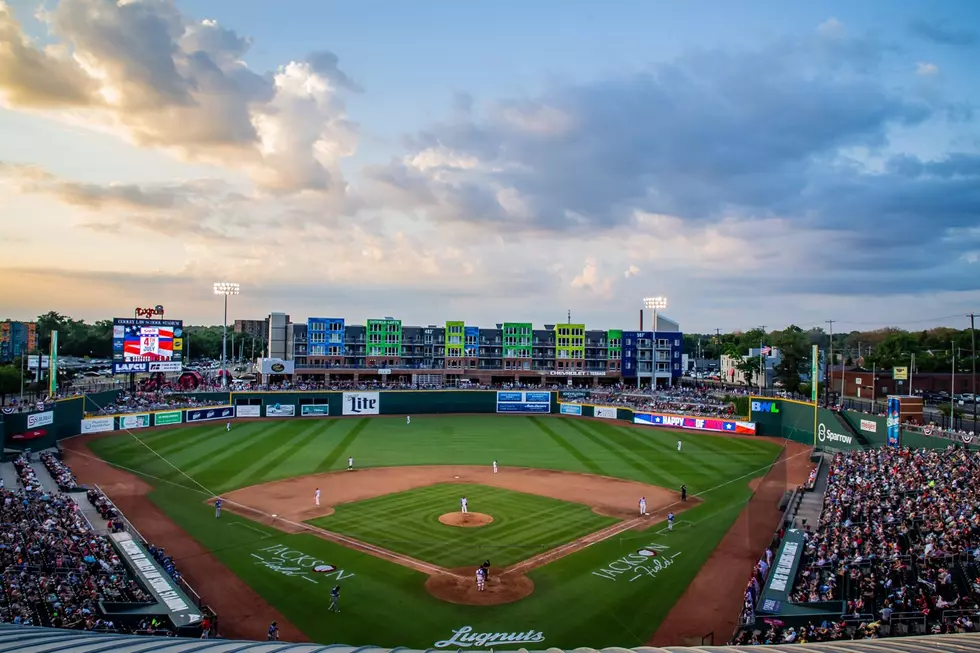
(570,556)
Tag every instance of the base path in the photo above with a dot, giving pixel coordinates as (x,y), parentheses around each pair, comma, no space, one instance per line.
(242,613)
(466,519)
(712,601)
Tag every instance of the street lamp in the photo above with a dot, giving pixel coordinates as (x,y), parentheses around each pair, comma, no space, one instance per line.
(653,304)
(225,288)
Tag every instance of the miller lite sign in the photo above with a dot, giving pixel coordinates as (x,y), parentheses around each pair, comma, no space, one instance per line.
(362,403)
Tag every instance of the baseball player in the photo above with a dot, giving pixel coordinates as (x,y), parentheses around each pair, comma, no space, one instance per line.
(683,493)
(317,496)
(643,506)
(679,445)
(408,419)
(350,464)
(228,427)
(480,580)
(217,509)
(462,503)
(495,467)
(335,599)
(273,632)
(670,521)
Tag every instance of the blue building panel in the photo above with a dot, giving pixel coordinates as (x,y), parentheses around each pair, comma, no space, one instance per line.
(471,340)
(325,336)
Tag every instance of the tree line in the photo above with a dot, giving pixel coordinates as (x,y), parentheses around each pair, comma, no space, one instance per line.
(931,350)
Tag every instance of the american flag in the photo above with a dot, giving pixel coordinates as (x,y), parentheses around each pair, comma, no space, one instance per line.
(765,351)
(132,345)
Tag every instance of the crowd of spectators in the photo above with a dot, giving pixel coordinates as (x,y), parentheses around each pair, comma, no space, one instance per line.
(139,402)
(59,472)
(114,521)
(678,400)
(897,545)
(55,570)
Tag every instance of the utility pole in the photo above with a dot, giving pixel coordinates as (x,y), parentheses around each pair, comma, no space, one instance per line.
(973,346)
(828,375)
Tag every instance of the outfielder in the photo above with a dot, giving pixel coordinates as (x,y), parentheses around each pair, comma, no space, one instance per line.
(228,427)
(350,464)
(679,445)
(495,467)
(317,496)
(670,521)
(643,506)
(462,503)
(408,419)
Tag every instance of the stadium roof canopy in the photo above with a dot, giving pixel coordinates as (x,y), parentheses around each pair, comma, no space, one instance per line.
(27,639)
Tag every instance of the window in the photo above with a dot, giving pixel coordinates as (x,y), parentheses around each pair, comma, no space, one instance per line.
(677,343)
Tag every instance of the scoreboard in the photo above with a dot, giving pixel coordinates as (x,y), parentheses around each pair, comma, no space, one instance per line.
(142,345)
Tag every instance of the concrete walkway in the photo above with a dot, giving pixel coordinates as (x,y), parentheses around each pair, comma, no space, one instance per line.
(9,475)
(812,504)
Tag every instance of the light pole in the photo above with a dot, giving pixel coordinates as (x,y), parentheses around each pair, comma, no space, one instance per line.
(225,288)
(654,304)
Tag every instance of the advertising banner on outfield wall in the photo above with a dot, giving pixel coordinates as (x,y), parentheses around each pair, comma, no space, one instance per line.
(280,410)
(605,412)
(314,409)
(573,395)
(97,425)
(208,414)
(134,421)
(869,425)
(513,401)
(694,423)
(35,420)
(571,409)
(248,411)
(167,418)
(362,403)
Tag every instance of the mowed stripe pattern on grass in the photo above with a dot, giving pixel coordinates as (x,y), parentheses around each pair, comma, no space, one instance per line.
(408,522)
(275,450)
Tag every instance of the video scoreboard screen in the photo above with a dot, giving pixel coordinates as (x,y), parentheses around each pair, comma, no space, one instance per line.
(140,345)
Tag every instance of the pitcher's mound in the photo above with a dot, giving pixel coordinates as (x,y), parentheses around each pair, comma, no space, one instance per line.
(465,519)
(460,588)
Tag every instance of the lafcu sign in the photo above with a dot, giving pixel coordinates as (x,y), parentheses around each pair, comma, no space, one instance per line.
(765,407)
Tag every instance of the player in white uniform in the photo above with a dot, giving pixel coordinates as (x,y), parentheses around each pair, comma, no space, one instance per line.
(462,503)
(408,419)
(643,506)
(678,445)
(495,467)
(350,464)
(228,427)
(317,496)
(481,579)
(670,521)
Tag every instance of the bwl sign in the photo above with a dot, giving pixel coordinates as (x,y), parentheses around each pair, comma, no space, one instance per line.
(465,638)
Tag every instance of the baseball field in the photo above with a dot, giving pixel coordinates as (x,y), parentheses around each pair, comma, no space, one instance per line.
(573,563)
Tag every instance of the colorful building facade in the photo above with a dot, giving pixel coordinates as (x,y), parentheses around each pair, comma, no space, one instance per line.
(16,339)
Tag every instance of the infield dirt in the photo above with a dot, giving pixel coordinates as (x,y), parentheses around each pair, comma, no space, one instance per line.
(465,519)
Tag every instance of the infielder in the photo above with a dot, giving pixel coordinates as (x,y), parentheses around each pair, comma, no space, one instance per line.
(350,464)
(217,509)
(670,521)
(317,496)
(679,445)
(408,419)
(643,506)
(495,467)
(462,503)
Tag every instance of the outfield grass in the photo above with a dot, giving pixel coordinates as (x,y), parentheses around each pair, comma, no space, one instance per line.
(408,522)
(579,600)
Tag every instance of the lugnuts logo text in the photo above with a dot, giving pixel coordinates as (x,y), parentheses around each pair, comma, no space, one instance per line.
(150,312)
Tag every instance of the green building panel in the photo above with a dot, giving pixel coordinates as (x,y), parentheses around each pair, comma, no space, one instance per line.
(517,339)
(614,339)
(455,335)
(570,341)
(384,337)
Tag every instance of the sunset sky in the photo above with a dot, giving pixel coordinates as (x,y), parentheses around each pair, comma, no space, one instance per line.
(755,162)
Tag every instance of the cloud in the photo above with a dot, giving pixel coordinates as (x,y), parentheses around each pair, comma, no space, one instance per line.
(146,71)
(942,33)
(924,69)
(831,28)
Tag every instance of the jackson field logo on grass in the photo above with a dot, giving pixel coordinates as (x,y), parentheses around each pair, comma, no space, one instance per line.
(291,562)
(465,638)
(648,561)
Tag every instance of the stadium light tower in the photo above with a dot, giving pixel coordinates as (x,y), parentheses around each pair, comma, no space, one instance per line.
(225,288)
(653,304)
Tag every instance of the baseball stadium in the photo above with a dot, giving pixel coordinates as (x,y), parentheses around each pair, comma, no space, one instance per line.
(518,517)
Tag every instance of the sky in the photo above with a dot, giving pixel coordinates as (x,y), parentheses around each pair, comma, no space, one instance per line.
(756,163)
